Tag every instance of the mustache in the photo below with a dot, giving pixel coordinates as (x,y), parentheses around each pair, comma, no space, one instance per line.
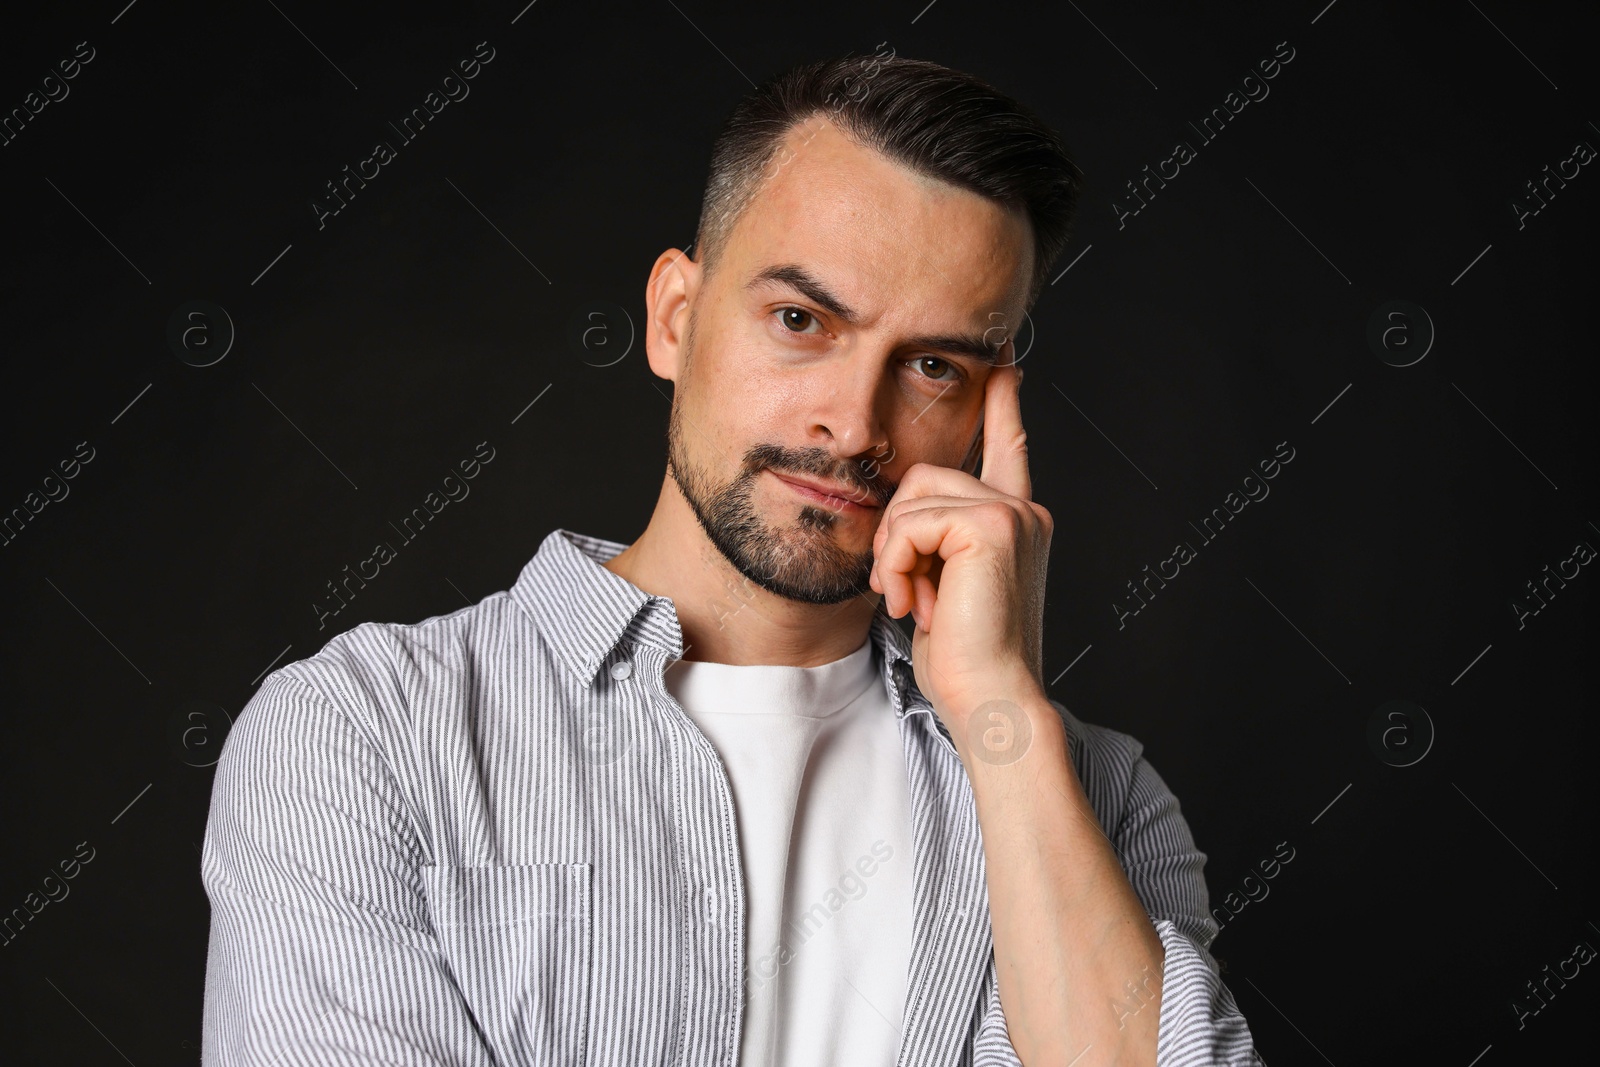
(822,466)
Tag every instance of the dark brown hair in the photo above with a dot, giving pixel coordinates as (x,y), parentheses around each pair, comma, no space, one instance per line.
(939,122)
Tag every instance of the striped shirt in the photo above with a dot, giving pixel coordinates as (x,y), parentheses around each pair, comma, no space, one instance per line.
(493,838)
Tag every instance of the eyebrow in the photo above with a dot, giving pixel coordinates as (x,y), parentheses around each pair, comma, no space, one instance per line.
(795,277)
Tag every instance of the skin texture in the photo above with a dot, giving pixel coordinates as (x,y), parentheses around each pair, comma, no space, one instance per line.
(769,380)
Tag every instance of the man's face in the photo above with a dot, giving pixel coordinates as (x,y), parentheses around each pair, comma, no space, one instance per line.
(846,334)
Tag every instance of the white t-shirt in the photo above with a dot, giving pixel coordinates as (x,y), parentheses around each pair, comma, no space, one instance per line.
(814,759)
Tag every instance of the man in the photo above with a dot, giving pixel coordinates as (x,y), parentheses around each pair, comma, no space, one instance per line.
(698,799)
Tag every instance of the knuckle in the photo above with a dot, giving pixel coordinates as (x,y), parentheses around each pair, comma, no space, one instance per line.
(1000,514)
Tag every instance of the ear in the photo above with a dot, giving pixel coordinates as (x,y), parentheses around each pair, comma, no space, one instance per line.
(668,296)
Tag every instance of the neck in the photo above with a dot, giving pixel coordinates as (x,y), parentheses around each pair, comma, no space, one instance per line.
(726,617)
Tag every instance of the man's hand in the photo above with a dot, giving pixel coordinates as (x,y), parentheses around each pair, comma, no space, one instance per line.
(968,557)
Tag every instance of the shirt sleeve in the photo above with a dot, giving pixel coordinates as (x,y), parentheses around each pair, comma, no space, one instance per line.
(992,1047)
(321,949)
(1200,1025)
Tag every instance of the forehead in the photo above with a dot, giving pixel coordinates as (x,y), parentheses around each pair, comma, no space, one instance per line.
(890,240)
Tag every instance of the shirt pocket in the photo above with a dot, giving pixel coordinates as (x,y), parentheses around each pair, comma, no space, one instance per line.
(517,938)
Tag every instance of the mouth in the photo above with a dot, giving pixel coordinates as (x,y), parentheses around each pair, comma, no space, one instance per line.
(848,501)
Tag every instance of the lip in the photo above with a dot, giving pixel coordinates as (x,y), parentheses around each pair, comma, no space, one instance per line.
(824,495)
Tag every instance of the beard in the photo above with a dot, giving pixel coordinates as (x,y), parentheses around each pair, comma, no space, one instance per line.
(800,561)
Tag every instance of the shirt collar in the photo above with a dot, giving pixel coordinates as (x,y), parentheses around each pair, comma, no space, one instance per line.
(584,610)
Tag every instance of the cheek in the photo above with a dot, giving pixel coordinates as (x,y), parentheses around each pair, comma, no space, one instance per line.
(773,400)
(768,402)
(943,442)
(747,378)
(733,414)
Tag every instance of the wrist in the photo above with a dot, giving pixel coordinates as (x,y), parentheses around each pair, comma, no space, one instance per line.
(1001,721)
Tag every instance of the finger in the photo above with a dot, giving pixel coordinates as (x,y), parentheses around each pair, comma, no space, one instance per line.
(926,594)
(928,481)
(900,587)
(916,541)
(899,508)
(1005,453)
(914,504)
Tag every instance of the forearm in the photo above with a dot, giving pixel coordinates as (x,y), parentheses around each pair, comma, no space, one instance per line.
(1077,959)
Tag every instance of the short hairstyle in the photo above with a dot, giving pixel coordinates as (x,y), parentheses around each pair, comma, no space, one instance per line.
(938,122)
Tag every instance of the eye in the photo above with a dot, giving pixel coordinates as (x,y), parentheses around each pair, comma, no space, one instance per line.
(790,315)
(955,374)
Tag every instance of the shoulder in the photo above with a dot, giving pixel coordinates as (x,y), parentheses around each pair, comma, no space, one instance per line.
(379,670)
(358,709)
(369,692)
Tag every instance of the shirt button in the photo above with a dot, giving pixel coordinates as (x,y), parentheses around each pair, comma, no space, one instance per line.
(621,670)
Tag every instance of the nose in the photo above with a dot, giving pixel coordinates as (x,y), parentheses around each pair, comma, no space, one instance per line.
(847,420)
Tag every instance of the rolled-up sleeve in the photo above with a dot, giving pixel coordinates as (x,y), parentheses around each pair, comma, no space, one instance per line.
(1200,1025)
(321,948)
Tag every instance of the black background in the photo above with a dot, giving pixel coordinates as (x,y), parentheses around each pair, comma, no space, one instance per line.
(1177,352)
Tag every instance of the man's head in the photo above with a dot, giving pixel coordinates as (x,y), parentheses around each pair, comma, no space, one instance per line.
(872,234)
